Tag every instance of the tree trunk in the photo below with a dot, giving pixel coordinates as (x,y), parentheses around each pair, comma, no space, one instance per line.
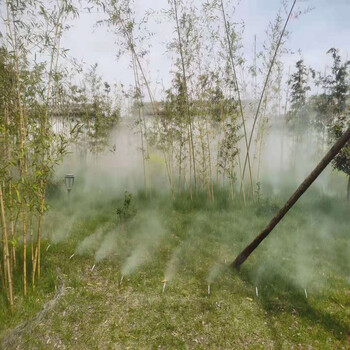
(243,256)
(348,194)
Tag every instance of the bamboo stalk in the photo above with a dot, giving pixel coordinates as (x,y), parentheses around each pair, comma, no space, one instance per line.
(138,93)
(155,110)
(186,94)
(2,277)
(22,130)
(7,262)
(39,231)
(31,236)
(205,179)
(284,120)
(8,154)
(24,252)
(209,162)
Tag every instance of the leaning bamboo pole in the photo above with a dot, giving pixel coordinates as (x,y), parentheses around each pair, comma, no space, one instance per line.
(230,49)
(243,256)
(264,88)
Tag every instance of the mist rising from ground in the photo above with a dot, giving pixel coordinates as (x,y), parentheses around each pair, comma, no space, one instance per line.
(320,226)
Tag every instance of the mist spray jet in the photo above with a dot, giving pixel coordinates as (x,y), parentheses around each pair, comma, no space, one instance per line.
(121,280)
(214,272)
(164,285)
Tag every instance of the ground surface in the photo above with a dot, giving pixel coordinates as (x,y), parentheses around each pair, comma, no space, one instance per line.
(293,293)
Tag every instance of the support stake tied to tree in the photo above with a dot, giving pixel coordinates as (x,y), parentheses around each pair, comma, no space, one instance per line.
(243,256)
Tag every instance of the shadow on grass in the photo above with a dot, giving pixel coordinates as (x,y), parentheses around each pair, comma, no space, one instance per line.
(280,295)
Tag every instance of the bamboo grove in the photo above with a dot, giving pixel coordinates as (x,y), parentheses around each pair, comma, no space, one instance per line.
(29,148)
(209,126)
(35,90)
(200,126)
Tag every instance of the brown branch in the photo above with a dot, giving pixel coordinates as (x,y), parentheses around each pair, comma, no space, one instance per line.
(243,256)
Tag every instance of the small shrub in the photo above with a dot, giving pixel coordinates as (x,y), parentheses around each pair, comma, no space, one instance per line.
(126,211)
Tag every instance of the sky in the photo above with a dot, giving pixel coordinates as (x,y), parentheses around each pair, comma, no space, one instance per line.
(313,33)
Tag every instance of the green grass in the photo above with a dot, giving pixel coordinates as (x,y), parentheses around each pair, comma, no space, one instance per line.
(191,244)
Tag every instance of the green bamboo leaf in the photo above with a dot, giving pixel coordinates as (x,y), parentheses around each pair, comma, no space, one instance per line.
(18,196)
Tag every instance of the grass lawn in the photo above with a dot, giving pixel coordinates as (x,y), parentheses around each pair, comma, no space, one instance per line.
(294,291)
